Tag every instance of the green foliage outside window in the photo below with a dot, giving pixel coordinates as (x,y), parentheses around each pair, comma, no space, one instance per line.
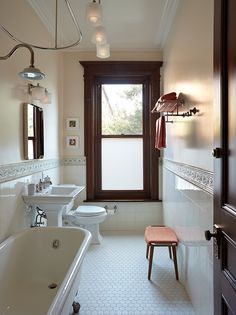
(122,109)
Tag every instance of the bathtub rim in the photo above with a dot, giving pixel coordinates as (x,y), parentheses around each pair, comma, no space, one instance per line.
(63,292)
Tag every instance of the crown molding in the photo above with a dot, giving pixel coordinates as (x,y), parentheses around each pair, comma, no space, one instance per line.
(166,21)
(46,16)
(199,177)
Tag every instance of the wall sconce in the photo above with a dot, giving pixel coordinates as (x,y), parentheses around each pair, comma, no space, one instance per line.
(39,93)
(29,73)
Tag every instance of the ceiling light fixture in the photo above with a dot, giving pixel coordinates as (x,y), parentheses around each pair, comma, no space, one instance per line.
(103,51)
(29,73)
(94,16)
(56,46)
(94,13)
(99,35)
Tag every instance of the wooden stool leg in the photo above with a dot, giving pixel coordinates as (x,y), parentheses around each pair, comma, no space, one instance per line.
(170,254)
(147,251)
(150,261)
(175,262)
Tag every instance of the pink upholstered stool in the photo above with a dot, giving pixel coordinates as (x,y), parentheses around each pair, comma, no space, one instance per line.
(161,236)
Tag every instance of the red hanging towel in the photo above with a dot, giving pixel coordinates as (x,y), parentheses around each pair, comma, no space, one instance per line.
(168,97)
(160,142)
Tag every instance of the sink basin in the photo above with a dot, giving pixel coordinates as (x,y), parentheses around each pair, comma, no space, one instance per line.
(54,200)
(55,194)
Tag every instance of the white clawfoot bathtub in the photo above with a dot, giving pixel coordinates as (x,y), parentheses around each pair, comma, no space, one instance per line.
(40,270)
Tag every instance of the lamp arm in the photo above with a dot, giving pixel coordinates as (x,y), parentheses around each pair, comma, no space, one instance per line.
(19,46)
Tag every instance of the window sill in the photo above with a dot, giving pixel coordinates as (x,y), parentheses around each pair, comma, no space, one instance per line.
(123,200)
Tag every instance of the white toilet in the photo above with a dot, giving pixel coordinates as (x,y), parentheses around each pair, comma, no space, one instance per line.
(87,217)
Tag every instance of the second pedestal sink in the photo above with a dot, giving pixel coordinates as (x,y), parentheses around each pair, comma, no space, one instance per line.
(54,200)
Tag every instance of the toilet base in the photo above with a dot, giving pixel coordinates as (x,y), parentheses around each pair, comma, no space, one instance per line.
(92,228)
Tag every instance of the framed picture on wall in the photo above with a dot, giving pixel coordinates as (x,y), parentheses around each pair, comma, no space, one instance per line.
(72,142)
(72,123)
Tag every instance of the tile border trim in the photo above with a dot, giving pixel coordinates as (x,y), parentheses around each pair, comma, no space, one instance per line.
(197,176)
(13,171)
(74,161)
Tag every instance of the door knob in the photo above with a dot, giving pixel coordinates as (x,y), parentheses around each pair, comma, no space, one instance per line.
(216,153)
(209,235)
(217,237)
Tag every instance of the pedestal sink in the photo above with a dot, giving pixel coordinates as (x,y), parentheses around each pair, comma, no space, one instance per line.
(54,200)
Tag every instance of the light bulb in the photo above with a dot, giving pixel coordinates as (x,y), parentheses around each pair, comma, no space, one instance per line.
(99,36)
(103,51)
(94,13)
(37,92)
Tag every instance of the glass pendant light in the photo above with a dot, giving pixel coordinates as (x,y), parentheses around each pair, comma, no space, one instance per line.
(103,50)
(99,35)
(94,13)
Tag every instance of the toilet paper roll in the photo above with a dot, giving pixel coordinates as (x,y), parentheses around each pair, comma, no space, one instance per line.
(31,189)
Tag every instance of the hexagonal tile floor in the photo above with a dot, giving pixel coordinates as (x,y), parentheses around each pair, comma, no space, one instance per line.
(114,280)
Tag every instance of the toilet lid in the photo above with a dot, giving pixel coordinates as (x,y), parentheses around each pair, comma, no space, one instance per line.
(87,211)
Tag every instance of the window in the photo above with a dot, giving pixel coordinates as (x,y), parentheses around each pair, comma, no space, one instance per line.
(122,163)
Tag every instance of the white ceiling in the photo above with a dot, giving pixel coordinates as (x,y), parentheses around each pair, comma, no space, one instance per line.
(132,25)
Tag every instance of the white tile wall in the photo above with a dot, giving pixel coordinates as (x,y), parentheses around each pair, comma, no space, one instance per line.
(13,212)
(189,211)
(130,215)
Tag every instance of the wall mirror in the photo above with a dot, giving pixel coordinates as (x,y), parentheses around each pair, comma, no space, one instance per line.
(33,131)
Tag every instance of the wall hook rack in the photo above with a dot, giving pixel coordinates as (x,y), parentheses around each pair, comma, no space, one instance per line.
(170,108)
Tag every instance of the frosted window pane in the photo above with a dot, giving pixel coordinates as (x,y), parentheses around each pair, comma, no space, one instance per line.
(122,164)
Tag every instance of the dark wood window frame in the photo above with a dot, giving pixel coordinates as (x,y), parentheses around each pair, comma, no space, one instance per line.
(95,74)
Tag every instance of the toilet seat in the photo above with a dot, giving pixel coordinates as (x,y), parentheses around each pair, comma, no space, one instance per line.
(88,211)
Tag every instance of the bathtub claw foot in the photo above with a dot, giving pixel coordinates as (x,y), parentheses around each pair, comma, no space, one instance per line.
(76,307)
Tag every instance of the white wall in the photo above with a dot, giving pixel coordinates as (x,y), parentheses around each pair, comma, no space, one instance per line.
(12,93)
(188,68)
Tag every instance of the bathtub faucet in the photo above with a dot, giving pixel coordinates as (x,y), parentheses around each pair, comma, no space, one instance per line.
(39,218)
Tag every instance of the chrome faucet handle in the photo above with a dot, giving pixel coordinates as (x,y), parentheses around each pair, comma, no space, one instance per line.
(47,181)
(41,185)
(37,188)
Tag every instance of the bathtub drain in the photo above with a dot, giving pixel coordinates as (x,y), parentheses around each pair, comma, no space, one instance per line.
(52,286)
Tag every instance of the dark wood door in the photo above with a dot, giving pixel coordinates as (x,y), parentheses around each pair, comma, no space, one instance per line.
(225,158)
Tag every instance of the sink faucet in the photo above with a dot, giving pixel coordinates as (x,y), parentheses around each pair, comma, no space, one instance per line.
(47,181)
(43,183)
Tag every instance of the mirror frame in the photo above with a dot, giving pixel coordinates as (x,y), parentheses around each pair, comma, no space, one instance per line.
(38,137)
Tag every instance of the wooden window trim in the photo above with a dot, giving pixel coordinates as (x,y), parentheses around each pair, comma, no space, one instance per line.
(115,72)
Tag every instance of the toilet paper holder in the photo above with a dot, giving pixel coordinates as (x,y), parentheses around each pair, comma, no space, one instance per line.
(112,210)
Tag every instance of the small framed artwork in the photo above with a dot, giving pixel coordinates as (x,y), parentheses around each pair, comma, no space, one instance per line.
(72,123)
(72,142)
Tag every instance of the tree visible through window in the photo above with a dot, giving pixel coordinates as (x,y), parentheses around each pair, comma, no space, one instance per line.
(122,109)
(122,117)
